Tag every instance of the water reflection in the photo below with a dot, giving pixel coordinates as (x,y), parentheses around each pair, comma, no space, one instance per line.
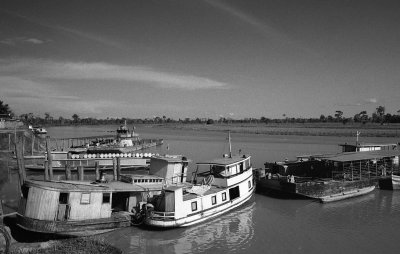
(232,232)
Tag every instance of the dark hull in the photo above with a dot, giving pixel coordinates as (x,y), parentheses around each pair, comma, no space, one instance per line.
(316,189)
(74,228)
(390,182)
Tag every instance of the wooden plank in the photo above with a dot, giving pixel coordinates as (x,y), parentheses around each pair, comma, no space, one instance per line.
(49,158)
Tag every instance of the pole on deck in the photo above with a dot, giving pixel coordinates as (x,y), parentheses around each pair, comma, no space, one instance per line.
(46,170)
(80,173)
(97,169)
(118,168)
(114,160)
(67,172)
(49,158)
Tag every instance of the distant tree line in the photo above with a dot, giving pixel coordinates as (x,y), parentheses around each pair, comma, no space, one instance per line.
(379,116)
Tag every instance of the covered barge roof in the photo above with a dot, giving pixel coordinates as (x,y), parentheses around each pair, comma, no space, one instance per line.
(356,156)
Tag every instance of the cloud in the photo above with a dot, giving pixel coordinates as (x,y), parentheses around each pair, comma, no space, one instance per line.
(21,40)
(34,41)
(74,32)
(45,71)
(363,102)
(371,100)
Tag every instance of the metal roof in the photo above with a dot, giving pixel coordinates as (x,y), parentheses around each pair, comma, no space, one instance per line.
(369,144)
(82,186)
(356,156)
(225,161)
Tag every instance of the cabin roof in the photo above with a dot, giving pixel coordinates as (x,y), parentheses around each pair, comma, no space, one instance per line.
(172,158)
(225,161)
(74,186)
(369,144)
(356,156)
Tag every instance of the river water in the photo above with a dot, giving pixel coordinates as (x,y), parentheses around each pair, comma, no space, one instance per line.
(367,224)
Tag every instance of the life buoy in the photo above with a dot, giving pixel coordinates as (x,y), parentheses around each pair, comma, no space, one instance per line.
(208,180)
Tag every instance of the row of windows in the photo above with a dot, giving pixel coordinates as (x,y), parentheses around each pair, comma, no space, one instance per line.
(213,201)
(147,180)
(85,198)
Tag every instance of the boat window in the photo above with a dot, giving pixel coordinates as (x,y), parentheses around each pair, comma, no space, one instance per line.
(213,200)
(241,166)
(249,184)
(85,198)
(194,206)
(234,193)
(63,199)
(223,196)
(106,198)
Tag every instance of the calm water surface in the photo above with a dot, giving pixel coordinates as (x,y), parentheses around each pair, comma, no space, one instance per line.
(368,224)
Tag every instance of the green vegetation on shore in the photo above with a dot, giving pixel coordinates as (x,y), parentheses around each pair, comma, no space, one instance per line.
(75,245)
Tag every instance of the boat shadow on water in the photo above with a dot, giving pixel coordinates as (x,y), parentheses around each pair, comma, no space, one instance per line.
(276,194)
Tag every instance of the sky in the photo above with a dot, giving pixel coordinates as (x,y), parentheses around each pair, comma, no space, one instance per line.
(199,58)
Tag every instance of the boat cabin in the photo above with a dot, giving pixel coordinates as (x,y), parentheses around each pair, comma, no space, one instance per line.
(172,168)
(365,147)
(219,185)
(68,207)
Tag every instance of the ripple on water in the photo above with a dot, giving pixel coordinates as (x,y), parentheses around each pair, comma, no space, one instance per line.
(231,232)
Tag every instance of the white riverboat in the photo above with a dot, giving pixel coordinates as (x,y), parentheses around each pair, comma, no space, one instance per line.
(217,187)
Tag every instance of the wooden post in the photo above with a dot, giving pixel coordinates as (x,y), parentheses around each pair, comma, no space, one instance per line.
(80,173)
(38,145)
(9,141)
(118,169)
(115,168)
(67,172)
(97,169)
(49,158)
(23,144)
(46,170)
(33,144)
(20,160)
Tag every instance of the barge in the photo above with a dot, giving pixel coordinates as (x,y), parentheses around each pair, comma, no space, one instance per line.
(329,177)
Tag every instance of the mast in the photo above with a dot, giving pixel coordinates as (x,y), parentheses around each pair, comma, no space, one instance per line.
(230,145)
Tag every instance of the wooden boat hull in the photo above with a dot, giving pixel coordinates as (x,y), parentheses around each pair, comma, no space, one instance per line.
(74,228)
(323,190)
(200,217)
(391,182)
(347,194)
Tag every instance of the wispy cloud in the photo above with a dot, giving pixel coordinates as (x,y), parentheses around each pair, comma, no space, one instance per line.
(70,31)
(365,101)
(46,71)
(21,40)
(262,27)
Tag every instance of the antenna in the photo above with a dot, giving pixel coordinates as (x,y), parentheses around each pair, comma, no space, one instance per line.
(230,145)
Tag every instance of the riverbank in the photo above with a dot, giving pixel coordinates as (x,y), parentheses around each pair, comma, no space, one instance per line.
(75,245)
(306,129)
